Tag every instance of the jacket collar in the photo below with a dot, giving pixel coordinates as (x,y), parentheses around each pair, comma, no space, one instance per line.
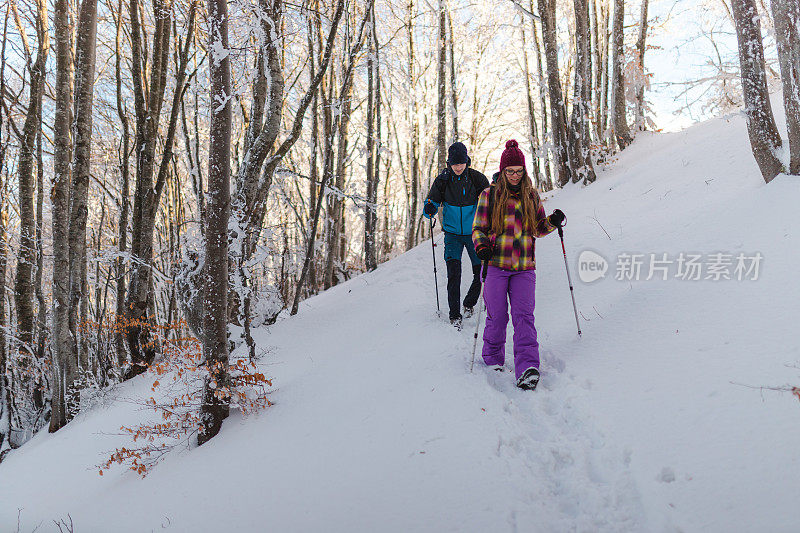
(449,172)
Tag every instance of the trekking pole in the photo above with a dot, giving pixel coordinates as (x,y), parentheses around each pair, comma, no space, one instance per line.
(569,278)
(435,276)
(480,311)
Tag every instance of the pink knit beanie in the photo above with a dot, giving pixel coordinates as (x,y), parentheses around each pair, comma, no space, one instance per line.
(512,156)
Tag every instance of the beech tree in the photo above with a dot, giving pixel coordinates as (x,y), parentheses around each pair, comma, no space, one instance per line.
(642,82)
(602,39)
(453,80)
(761,128)
(786,15)
(124,171)
(533,133)
(26,259)
(413,118)
(558,113)
(619,118)
(542,89)
(81,158)
(65,363)
(441,102)
(5,407)
(149,89)
(580,124)
(216,393)
(373,144)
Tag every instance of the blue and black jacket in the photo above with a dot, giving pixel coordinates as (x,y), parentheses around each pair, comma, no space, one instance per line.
(458,196)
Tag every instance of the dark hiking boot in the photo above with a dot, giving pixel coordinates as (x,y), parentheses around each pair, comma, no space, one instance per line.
(529,379)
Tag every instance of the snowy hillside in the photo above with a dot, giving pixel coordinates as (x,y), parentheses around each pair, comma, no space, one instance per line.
(646,423)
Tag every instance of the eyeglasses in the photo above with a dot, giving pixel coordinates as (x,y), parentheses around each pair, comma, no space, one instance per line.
(519,172)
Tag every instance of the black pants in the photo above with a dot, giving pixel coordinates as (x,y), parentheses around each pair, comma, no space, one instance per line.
(454,288)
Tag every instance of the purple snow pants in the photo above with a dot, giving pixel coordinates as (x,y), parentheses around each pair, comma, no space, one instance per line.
(518,287)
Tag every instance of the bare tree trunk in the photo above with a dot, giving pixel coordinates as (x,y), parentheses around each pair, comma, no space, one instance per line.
(5,407)
(441,108)
(373,145)
(453,86)
(640,49)
(764,136)
(216,390)
(604,78)
(24,292)
(328,147)
(557,112)
(336,201)
(336,238)
(192,151)
(148,103)
(597,59)
(579,136)
(65,367)
(786,14)
(329,175)
(378,136)
(5,393)
(541,84)
(41,311)
(386,244)
(124,167)
(81,162)
(533,134)
(413,155)
(314,37)
(618,111)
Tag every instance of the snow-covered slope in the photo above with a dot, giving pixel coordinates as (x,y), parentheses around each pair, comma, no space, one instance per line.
(644,424)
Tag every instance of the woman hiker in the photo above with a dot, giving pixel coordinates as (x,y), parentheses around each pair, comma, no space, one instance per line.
(456,189)
(509,217)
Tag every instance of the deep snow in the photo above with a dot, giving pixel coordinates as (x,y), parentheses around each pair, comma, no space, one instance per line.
(646,423)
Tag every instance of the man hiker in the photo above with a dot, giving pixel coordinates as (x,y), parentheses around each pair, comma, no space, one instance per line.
(456,189)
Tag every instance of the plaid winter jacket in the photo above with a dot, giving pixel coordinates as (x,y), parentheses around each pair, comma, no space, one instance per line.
(514,248)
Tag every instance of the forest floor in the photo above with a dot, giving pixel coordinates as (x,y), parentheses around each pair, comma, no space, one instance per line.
(652,421)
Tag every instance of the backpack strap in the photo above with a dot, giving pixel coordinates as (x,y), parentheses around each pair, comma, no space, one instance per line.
(443,188)
(476,179)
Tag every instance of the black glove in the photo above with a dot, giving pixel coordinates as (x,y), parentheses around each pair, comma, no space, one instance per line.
(484,252)
(430,209)
(557,218)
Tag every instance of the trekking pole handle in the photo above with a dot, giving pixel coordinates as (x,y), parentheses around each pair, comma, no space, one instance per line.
(561,227)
